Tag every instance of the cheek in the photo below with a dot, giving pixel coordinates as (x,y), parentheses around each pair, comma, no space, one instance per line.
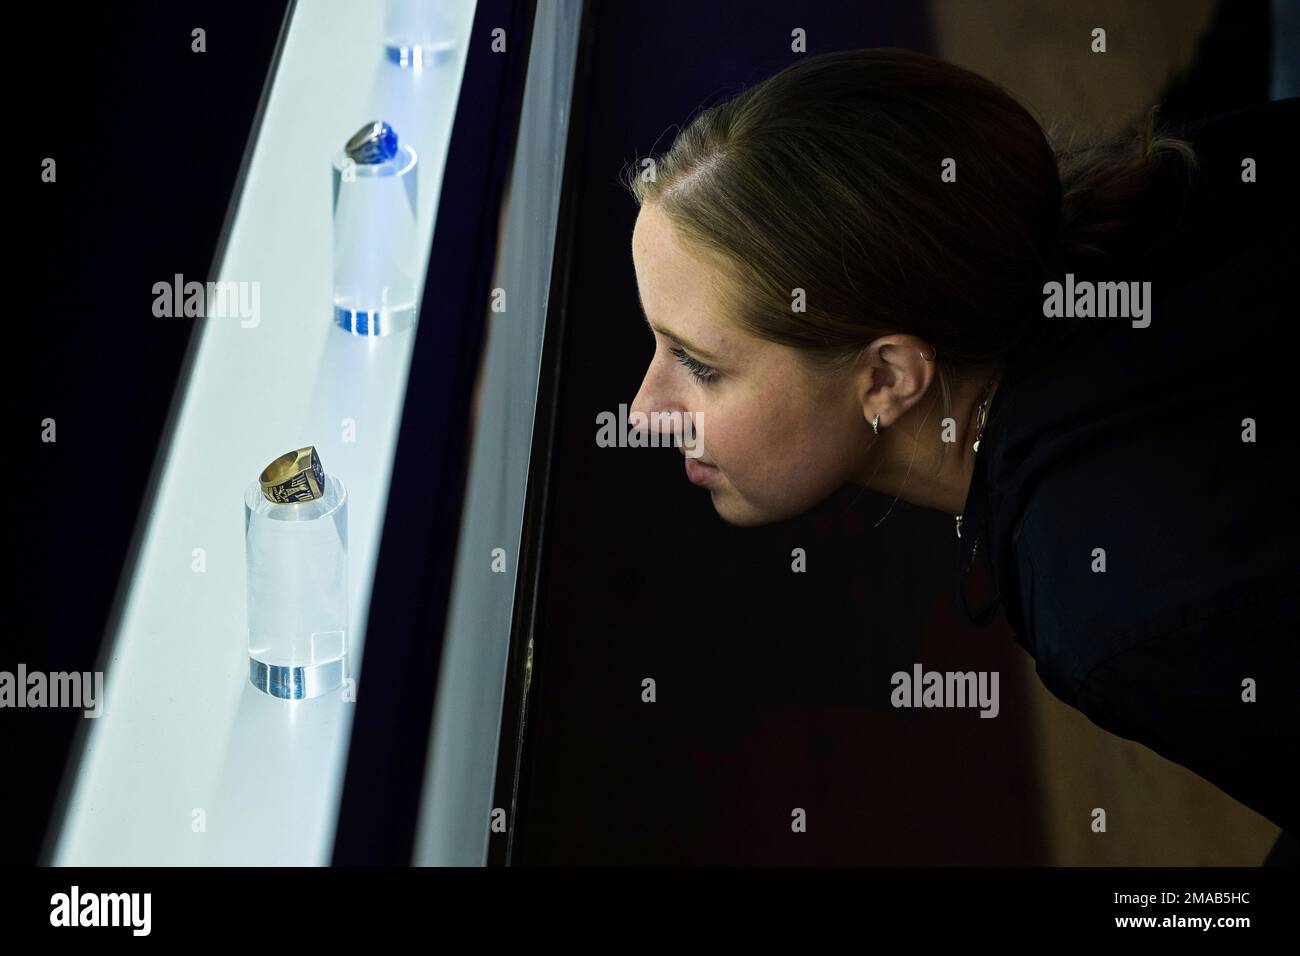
(786,446)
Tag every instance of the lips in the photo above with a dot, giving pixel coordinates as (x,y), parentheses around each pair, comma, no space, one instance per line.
(700,473)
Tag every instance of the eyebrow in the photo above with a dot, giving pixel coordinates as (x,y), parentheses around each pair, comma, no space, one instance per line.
(672,335)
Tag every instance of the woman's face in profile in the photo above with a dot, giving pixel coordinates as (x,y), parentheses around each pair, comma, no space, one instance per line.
(773,438)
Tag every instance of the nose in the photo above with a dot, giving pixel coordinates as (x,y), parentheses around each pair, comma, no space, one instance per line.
(661,393)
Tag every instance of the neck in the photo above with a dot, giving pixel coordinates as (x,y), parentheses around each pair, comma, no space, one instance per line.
(906,459)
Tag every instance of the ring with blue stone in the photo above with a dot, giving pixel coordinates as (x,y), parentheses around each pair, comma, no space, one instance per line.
(294,476)
(374,143)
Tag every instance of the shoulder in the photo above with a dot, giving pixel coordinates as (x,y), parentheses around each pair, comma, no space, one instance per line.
(1143,532)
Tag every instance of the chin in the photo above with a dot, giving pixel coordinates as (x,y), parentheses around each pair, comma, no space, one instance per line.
(745,515)
(746,520)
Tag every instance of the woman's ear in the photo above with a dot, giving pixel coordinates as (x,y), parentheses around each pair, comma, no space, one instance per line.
(892,375)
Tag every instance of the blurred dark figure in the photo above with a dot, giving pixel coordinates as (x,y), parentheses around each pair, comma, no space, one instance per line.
(1248,55)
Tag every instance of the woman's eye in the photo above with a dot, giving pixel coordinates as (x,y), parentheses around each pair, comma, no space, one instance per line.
(701,372)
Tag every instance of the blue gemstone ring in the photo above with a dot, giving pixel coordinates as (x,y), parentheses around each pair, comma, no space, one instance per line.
(374,143)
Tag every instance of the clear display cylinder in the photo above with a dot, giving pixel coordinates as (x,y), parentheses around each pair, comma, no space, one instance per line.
(375,210)
(297,565)
(417,33)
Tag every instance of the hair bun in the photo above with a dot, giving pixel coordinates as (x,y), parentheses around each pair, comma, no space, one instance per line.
(1102,184)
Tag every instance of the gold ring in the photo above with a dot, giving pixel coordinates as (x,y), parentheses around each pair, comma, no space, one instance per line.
(294,476)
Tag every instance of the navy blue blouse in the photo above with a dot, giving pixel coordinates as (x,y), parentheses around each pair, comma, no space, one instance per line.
(1131,493)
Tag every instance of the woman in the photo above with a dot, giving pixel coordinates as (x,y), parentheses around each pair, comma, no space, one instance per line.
(875,267)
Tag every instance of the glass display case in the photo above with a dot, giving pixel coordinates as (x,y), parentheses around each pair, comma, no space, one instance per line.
(362,235)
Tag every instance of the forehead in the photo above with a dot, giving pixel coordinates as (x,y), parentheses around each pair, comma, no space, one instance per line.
(671,277)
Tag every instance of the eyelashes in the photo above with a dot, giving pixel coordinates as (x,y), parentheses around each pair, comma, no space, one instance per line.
(702,373)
